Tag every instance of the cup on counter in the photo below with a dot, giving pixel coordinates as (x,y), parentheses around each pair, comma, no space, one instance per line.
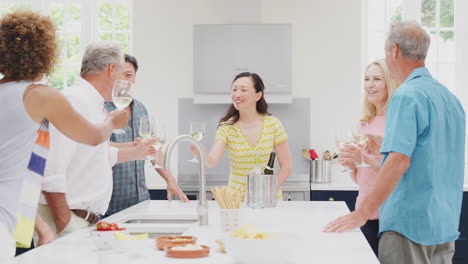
(230,219)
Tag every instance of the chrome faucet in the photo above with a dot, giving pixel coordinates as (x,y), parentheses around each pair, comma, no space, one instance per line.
(202,209)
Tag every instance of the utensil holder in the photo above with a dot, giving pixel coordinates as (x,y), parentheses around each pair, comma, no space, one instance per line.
(320,171)
(230,219)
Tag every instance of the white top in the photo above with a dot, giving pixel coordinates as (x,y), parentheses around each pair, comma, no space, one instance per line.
(82,172)
(18,132)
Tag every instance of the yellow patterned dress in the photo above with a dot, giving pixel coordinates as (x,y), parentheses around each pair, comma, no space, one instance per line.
(242,153)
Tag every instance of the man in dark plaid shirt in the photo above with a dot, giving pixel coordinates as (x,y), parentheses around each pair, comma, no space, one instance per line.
(129,177)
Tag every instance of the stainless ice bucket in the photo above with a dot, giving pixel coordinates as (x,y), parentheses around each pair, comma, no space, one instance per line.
(261,190)
(320,171)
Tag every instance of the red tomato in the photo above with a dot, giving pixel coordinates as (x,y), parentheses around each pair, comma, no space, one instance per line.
(102,226)
(114,226)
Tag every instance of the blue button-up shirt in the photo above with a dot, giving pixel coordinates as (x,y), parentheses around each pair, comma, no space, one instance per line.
(129,183)
(425,122)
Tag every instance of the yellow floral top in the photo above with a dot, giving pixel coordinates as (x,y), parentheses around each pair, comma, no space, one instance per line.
(242,153)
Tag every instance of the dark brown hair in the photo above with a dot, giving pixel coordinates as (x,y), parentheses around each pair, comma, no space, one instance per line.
(28,47)
(232,115)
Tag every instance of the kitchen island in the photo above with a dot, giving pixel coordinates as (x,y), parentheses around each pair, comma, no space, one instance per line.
(301,219)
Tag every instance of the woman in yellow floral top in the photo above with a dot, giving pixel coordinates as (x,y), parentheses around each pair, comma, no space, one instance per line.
(248,130)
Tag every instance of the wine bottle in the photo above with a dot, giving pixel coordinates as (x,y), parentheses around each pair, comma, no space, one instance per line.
(271,163)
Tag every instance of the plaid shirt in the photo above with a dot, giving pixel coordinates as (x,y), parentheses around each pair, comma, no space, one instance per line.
(128,177)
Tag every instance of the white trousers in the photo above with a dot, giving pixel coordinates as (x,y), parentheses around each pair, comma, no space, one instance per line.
(7,244)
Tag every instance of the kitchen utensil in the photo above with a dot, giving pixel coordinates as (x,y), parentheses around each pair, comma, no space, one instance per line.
(326,155)
(320,171)
(334,156)
(231,219)
(306,154)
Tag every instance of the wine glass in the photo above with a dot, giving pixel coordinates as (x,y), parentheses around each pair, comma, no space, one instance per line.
(360,137)
(122,96)
(343,137)
(147,130)
(197,131)
(161,133)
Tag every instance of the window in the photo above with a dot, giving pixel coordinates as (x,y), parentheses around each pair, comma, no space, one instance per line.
(79,23)
(447,26)
(438,19)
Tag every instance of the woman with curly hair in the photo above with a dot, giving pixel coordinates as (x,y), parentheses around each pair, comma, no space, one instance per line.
(28,51)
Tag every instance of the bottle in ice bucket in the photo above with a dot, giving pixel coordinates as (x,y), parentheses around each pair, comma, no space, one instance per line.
(269,169)
(269,180)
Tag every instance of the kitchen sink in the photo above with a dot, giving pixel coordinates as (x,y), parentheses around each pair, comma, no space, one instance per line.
(156,229)
(160,221)
(157,225)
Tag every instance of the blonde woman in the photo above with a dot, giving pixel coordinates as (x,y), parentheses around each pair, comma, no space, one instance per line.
(378,89)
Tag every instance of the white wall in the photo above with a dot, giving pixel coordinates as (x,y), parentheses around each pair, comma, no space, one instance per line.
(326,55)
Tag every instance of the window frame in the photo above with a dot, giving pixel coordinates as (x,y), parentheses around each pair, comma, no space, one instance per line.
(411,10)
(89,31)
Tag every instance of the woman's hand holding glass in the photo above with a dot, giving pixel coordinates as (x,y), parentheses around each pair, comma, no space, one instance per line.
(197,131)
(349,156)
(343,138)
(360,137)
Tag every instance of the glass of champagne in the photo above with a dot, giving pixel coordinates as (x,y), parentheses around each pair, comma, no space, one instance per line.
(360,137)
(343,138)
(122,96)
(197,131)
(161,133)
(147,130)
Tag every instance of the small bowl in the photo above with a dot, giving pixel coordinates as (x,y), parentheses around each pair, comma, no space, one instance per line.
(103,239)
(168,241)
(200,253)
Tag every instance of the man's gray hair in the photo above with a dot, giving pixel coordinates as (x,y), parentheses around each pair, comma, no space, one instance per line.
(98,55)
(411,38)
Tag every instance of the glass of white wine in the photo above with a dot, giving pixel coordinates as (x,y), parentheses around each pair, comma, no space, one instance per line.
(161,133)
(197,131)
(122,96)
(360,137)
(147,130)
(343,138)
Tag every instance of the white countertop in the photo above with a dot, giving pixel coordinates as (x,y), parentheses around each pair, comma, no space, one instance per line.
(302,219)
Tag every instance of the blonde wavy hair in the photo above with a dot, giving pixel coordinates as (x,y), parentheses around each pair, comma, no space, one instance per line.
(368,109)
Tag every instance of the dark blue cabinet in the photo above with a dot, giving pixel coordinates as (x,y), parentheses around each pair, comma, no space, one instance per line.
(461,245)
(347,196)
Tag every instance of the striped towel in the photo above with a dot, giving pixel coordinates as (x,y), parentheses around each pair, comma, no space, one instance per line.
(31,188)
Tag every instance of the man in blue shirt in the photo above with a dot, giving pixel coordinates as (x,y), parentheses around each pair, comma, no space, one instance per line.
(129,182)
(420,184)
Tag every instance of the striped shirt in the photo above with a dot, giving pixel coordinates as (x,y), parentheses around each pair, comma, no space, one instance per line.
(242,153)
(31,188)
(128,177)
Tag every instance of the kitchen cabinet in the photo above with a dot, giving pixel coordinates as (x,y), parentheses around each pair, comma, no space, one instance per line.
(347,196)
(461,245)
(222,51)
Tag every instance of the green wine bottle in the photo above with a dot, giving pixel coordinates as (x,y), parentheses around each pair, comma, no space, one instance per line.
(270,165)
